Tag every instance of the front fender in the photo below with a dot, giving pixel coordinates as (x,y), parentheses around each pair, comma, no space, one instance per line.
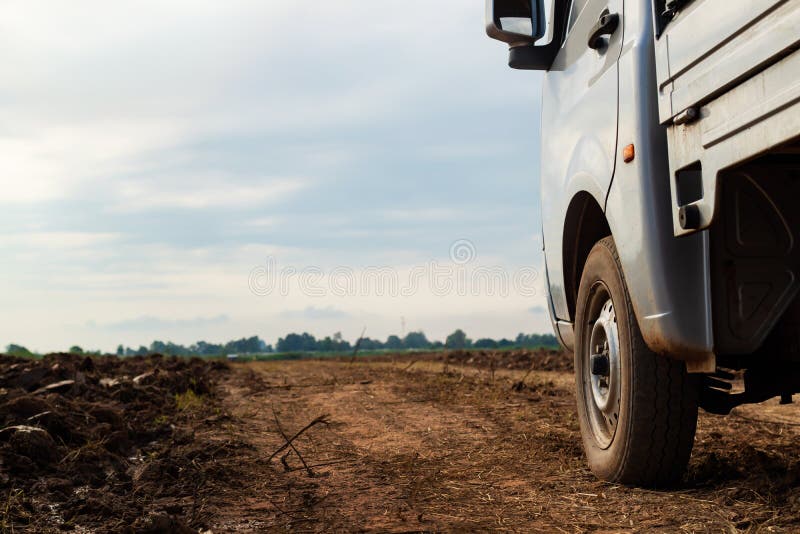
(667,277)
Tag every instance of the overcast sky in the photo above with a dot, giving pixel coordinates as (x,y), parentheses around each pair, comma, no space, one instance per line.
(155,155)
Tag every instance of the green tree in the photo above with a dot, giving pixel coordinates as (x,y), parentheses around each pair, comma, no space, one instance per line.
(246,345)
(536,340)
(371,344)
(75,349)
(393,343)
(203,348)
(18,350)
(457,340)
(304,342)
(416,340)
(120,350)
(485,343)
(334,344)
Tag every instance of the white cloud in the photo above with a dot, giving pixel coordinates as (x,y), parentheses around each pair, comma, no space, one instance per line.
(50,162)
(263,222)
(148,324)
(51,241)
(424,214)
(144,196)
(313,313)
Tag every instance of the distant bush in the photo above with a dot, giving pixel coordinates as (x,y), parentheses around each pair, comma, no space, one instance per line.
(19,351)
(485,343)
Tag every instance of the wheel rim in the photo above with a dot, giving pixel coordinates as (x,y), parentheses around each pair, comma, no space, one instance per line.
(601,368)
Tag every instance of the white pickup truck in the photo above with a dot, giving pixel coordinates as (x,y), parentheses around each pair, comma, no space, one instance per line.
(670,189)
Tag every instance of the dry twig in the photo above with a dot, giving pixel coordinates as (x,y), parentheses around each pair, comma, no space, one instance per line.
(302,460)
(358,345)
(519,386)
(322,419)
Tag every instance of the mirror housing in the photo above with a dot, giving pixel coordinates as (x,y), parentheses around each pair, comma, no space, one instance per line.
(504,23)
(516,22)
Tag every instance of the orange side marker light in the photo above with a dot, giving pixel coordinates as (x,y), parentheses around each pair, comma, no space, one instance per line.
(628,153)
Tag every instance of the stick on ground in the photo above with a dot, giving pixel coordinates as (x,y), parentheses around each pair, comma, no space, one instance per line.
(519,386)
(302,460)
(358,345)
(322,419)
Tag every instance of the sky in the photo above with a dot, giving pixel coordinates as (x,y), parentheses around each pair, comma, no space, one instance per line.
(215,170)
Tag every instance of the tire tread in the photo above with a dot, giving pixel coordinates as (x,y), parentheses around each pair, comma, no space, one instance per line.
(664,409)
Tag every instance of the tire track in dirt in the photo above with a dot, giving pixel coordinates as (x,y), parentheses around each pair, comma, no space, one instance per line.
(440,447)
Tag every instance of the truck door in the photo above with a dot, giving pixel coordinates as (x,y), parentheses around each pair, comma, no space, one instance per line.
(579,125)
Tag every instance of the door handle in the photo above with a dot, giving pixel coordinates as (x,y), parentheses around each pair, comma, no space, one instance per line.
(607,25)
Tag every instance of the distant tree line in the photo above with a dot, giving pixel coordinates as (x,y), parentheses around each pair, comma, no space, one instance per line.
(249,345)
(306,342)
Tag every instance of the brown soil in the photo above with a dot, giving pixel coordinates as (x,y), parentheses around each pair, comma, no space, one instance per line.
(525,359)
(539,360)
(414,444)
(108,444)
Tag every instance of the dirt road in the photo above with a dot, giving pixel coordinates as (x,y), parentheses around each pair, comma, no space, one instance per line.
(435,447)
(152,445)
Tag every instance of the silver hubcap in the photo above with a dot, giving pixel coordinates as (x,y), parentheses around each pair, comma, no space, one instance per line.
(602,372)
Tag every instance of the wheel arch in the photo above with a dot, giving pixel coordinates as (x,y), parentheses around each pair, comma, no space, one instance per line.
(585,224)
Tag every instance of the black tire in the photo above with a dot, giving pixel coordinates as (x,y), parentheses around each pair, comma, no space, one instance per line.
(645,437)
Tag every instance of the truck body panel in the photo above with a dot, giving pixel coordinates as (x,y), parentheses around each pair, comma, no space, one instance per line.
(728,92)
(667,278)
(579,130)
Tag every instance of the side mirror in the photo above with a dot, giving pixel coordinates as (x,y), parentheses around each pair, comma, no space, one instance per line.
(521,23)
(516,22)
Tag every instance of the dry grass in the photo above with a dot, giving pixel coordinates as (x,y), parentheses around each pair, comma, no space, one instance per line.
(188,401)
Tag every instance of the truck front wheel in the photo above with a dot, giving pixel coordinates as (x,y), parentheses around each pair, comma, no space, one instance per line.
(637,410)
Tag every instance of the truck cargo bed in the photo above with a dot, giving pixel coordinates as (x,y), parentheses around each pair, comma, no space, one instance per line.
(729,89)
